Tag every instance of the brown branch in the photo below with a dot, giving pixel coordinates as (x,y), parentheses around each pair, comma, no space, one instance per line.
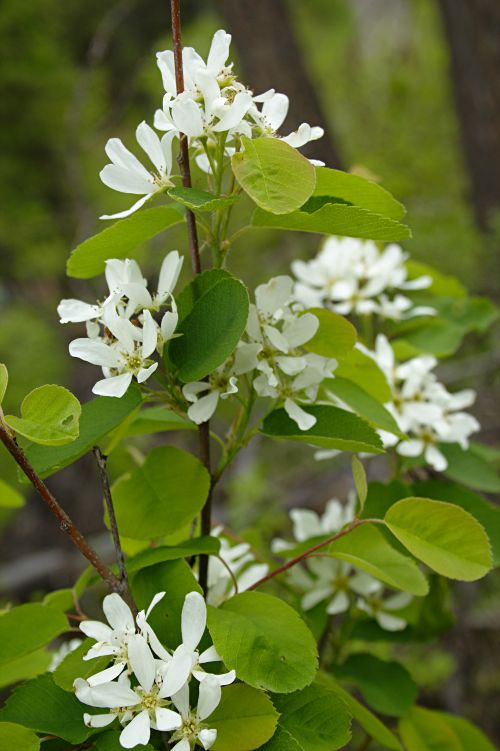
(293,561)
(65,523)
(183,159)
(108,499)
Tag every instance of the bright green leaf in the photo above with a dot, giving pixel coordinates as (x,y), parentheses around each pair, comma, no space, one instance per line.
(366,548)
(336,219)
(150,557)
(25,667)
(316,718)
(335,337)
(387,686)
(425,730)
(359,476)
(120,240)
(4,379)
(10,497)
(42,706)
(99,417)
(265,641)
(158,420)
(334,429)
(470,469)
(358,191)
(28,627)
(445,537)
(200,200)
(471,738)
(442,284)
(275,175)
(211,330)
(17,738)
(282,741)
(363,403)
(363,370)
(172,486)
(49,416)
(245,719)
(60,599)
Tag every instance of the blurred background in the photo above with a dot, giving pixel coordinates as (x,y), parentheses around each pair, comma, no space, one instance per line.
(408,92)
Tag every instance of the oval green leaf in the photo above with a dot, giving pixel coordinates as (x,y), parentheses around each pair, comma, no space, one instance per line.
(428,730)
(28,627)
(275,175)
(335,336)
(4,379)
(172,486)
(445,537)
(120,240)
(265,641)
(17,738)
(245,719)
(358,191)
(211,330)
(49,416)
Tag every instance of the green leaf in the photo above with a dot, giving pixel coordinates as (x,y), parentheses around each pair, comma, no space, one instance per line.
(363,370)
(120,240)
(363,403)
(275,175)
(211,330)
(10,497)
(335,337)
(177,580)
(486,513)
(336,219)
(357,190)
(442,284)
(172,486)
(471,738)
(42,706)
(366,548)
(316,718)
(74,666)
(200,200)
(25,667)
(60,599)
(265,641)
(4,379)
(282,741)
(196,288)
(334,429)
(359,476)
(158,420)
(28,627)
(387,686)
(470,469)
(445,537)
(435,337)
(110,741)
(99,417)
(17,738)
(425,730)
(368,721)
(49,416)
(245,719)
(151,556)
(381,496)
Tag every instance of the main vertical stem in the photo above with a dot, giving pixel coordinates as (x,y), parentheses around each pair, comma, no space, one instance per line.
(183,159)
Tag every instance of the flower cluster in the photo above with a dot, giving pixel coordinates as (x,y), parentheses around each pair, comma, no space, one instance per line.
(233,570)
(272,351)
(423,408)
(147,686)
(341,585)
(122,332)
(353,276)
(213,111)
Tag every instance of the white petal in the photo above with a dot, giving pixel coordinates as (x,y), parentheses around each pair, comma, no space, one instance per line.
(142,661)
(301,330)
(204,408)
(390,622)
(107,675)
(275,110)
(339,604)
(193,619)
(273,295)
(219,51)
(314,596)
(397,601)
(76,311)
(122,214)
(168,324)
(412,447)
(107,695)
(209,655)
(207,737)
(183,745)
(304,420)
(169,273)
(177,673)
(98,720)
(144,373)
(118,613)
(154,602)
(209,697)
(167,719)
(96,630)
(122,157)
(150,143)
(95,352)
(181,700)
(137,731)
(124,181)
(235,112)
(149,334)
(113,386)
(187,117)
(435,458)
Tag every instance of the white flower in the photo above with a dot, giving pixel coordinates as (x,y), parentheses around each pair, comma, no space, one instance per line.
(140,708)
(238,558)
(383,609)
(113,639)
(220,385)
(186,660)
(126,174)
(352,276)
(328,579)
(308,524)
(192,728)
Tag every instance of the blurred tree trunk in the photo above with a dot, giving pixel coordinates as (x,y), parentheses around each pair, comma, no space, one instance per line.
(473,30)
(271,58)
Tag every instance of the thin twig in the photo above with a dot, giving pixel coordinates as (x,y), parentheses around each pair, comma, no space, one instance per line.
(293,561)
(183,159)
(108,499)
(65,523)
